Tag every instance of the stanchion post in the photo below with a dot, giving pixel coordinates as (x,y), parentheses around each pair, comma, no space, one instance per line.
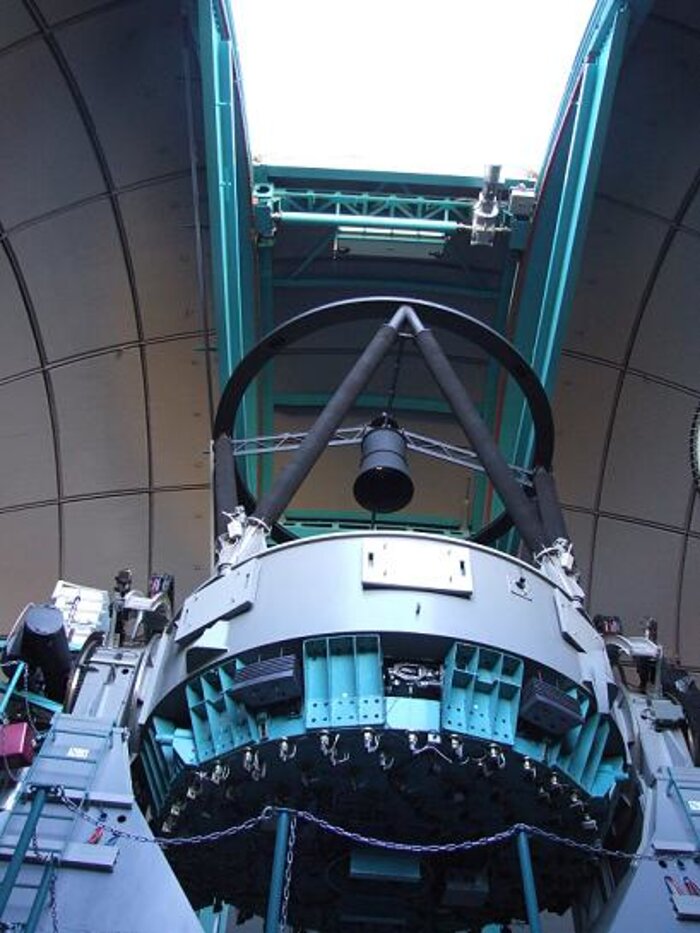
(279,861)
(529,889)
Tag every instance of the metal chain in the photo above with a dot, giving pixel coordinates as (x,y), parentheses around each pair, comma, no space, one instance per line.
(163,841)
(52,861)
(288,873)
(417,848)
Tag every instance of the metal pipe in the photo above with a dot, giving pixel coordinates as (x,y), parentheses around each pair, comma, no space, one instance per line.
(15,864)
(549,506)
(310,219)
(279,861)
(225,493)
(529,889)
(275,501)
(518,506)
(40,897)
(10,688)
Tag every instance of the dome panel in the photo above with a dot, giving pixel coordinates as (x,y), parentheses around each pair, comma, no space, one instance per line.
(582,405)
(182,537)
(139,110)
(668,342)
(654,103)
(17,347)
(27,459)
(101,419)
(635,575)
(646,474)
(620,248)
(27,532)
(45,159)
(103,536)
(76,275)
(158,220)
(179,417)
(57,10)
(17,24)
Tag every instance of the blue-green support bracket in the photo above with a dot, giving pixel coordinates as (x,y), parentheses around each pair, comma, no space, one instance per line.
(554,258)
(25,838)
(229,180)
(528,878)
(279,863)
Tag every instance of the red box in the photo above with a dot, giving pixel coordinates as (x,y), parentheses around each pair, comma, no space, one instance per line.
(16,744)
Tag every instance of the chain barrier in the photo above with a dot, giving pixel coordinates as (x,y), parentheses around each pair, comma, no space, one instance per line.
(288,873)
(48,860)
(268,814)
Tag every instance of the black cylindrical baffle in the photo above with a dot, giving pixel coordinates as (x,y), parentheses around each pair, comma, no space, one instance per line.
(225,492)
(275,501)
(384,483)
(519,507)
(549,507)
(45,645)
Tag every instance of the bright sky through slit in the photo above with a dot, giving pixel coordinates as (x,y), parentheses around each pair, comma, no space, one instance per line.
(436,86)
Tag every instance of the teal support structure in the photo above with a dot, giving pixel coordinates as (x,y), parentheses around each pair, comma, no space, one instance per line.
(554,254)
(214,921)
(15,864)
(229,180)
(40,897)
(11,687)
(279,862)
(528,879)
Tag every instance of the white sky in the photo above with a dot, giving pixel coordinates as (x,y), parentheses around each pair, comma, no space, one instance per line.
(436,86)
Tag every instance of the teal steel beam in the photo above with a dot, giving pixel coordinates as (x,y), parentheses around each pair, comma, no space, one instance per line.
(528,878)
(556,247)
(10,688)
(279,863)
(25,837)
(230,195)
(267,377)
(368,400)
(589,132)
(265,173)
(398,286)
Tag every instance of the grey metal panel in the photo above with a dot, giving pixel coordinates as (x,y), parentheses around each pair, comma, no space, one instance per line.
(28,559)
(96,299)
(179,423)
(158,220)
(636,574)
(57,10)
(647,474)
(620,248)
(582,406)
(669,342)
(101,418)
(314,587)
(104,535)
(123,60)
(17,348)
(45,157)
(26,447)
(660,73)
(16,23)
(182,537)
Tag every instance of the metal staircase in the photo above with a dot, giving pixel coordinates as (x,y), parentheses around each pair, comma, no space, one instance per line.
(37,833)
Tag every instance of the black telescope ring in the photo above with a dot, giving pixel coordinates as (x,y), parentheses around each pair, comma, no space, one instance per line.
(373,308)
